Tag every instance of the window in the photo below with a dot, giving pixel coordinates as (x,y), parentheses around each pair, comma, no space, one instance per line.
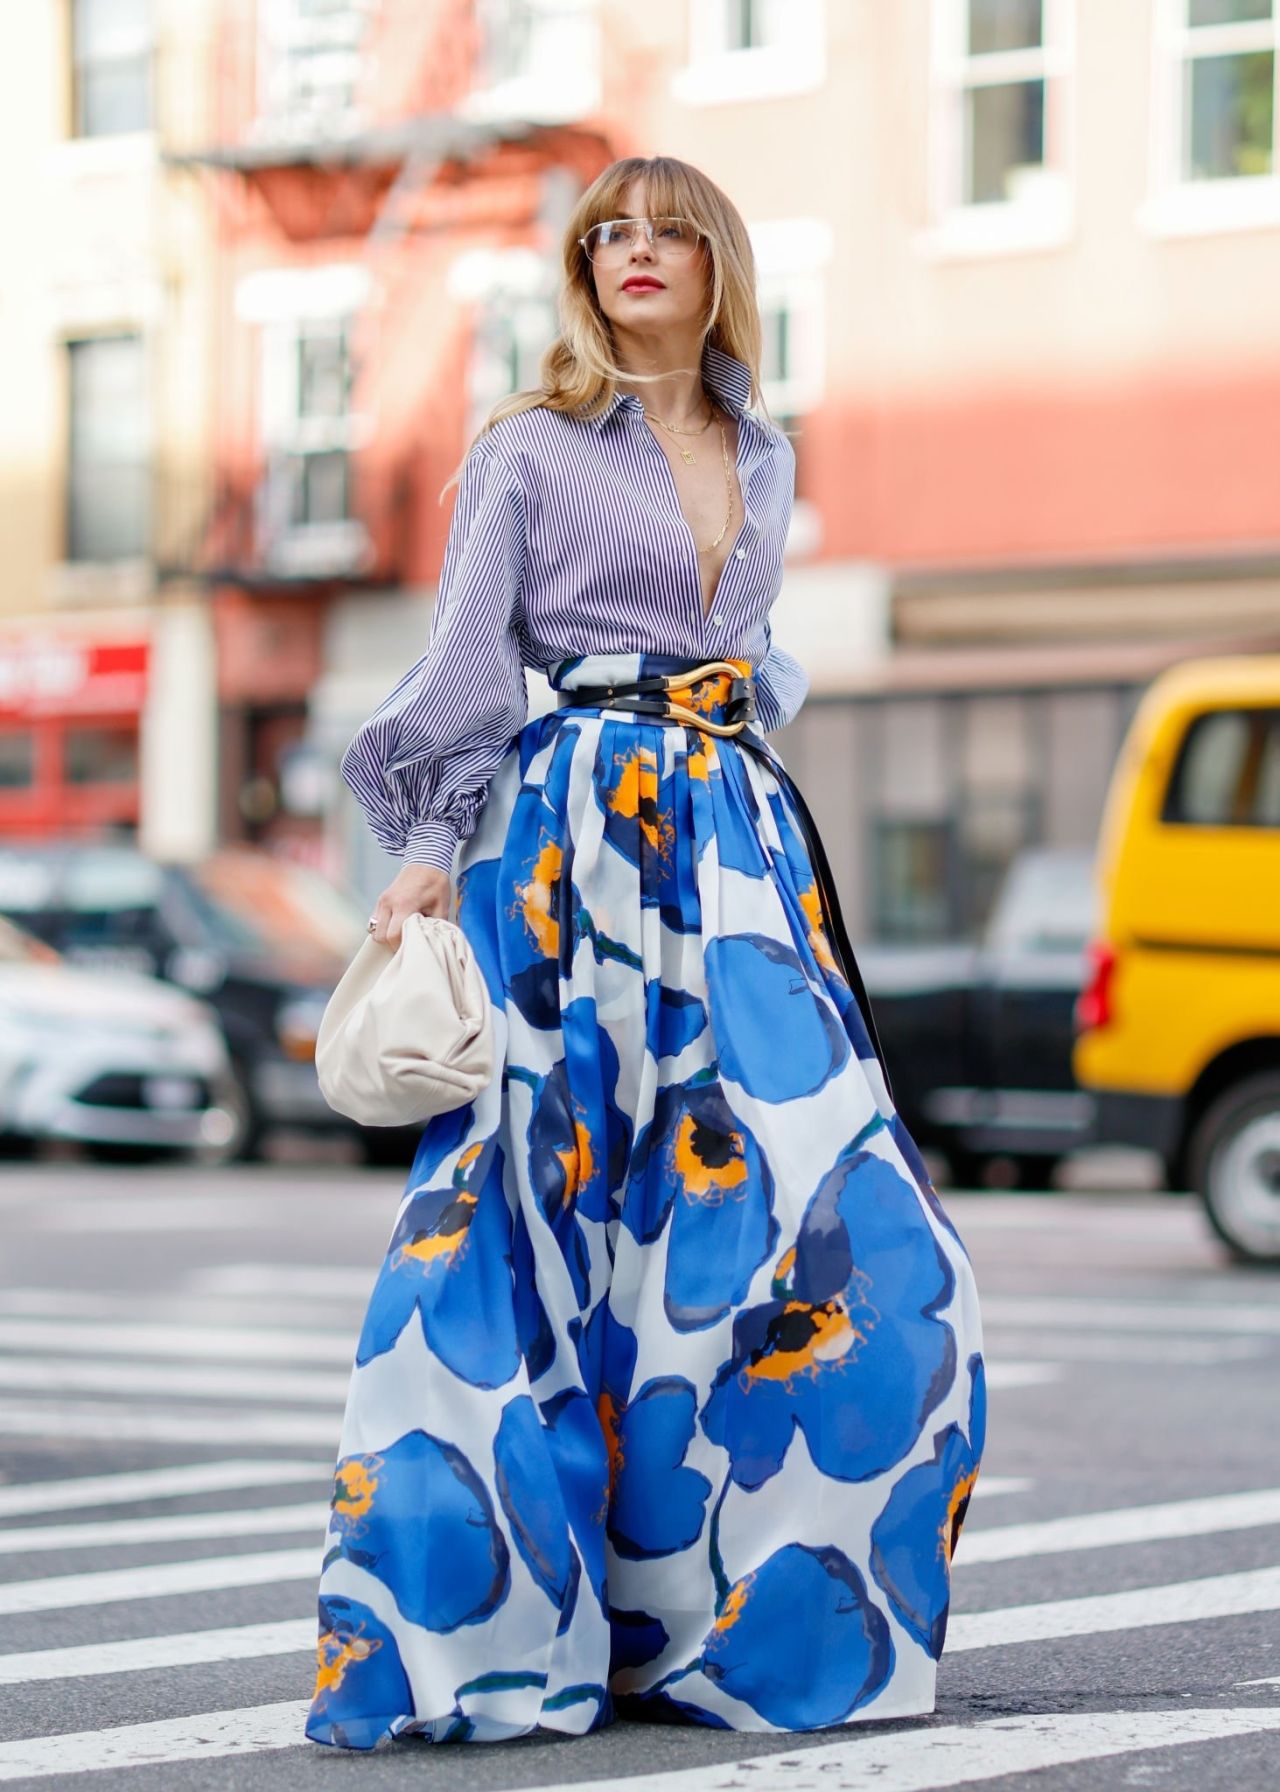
(1229,89)
(1001,152)
(307,508)
(312,65)
(101,756)
(110,67)
(17,760)
(1217,74)
(792,256)
(1228,772)
(535,59)
(108,463)
(752,49)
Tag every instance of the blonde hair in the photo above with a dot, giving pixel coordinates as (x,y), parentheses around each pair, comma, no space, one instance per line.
(578,372)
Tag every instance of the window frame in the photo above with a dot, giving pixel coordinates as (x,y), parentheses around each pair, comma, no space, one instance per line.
(959,227)
(720,73)
(78,62)
(74,464)
(1176,205)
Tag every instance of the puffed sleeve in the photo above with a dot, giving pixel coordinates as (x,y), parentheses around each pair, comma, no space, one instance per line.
(781,686)
(420,766)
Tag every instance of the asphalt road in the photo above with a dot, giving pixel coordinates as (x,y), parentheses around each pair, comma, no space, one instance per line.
(174,1349)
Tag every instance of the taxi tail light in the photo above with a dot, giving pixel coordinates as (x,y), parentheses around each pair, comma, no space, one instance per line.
(1093,1004)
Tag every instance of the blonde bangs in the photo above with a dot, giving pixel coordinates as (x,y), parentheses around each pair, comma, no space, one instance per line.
(578,373)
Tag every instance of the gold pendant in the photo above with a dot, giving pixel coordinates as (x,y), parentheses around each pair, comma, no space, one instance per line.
(688,456)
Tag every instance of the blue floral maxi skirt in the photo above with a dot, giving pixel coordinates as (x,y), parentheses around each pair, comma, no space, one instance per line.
(669,1396)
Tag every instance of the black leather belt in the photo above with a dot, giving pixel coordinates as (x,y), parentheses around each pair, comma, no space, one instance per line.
(652,696)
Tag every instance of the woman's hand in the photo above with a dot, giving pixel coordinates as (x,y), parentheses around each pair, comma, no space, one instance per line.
(415,890)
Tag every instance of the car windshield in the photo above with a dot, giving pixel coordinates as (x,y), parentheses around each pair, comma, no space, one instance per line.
(258,903)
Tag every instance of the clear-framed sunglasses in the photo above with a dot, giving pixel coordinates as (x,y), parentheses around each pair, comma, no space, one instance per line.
(611,242)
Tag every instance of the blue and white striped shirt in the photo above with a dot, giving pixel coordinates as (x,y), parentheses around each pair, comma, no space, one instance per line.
(567,539)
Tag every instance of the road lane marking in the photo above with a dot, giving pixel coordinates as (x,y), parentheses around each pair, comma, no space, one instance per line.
(1128,1315)
(91,1338)
(276,1279)
(134,1485)
(1124,1524)
(118,1423)
(1122,1348)
(190,1380)
(250,1731)
(159,1580)
(241,1642)
(1180,1602)
(278,1313)
(168,1527)
(928,1758)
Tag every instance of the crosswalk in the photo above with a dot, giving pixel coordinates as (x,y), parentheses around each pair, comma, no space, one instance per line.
(222,1398)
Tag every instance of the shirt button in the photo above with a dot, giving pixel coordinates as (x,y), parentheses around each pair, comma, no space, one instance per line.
(741,553)
(717,619)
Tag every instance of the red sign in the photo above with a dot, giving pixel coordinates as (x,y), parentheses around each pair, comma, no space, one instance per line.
(60,675)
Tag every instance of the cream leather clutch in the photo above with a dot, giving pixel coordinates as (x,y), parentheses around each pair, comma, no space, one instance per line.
(408,1032)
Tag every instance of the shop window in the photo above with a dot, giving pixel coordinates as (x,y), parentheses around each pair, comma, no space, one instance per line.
(17,760)
(752,49)
(312,65)
(111,45)
(108,461)
(100,756)
(1001,151)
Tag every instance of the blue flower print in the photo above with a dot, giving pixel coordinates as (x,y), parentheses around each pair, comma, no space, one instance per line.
(657,1505)
(418,1517)
(810,1609)
(850,1349)
(358,1672)
(778,1034)
(450,1261)
(930,1500)
(697,1158)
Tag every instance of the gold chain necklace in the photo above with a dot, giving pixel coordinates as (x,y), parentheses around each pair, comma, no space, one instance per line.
(686,453)
(728,486)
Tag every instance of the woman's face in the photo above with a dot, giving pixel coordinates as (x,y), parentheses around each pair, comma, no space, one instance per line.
(648,291)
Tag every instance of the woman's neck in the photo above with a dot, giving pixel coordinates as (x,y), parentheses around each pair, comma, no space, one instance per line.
(678,396)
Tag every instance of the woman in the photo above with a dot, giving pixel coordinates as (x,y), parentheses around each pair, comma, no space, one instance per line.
(669,1396)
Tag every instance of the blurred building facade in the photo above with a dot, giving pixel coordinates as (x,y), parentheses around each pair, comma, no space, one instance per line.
(106,654)
(1017,263)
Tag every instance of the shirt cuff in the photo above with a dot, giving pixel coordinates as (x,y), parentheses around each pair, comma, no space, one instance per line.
(431,843)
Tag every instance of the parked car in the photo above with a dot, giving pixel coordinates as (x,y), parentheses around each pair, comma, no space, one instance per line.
(107,1057)
(262,939)
(1180,1022)
(978,1038)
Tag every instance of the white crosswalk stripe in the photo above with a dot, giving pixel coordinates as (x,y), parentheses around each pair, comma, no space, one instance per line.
(132,1485)
(168,1528)
(909,1761)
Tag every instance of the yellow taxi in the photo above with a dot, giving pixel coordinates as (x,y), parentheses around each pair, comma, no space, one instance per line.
(1178,1027)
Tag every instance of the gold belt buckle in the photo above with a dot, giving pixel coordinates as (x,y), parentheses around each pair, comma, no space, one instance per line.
(683,681)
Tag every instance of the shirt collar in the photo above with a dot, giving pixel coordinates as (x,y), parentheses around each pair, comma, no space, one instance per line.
(728,378)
